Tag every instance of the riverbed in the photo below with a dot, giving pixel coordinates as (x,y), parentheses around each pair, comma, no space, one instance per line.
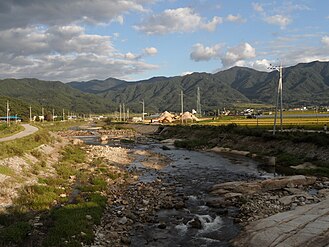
(191,174)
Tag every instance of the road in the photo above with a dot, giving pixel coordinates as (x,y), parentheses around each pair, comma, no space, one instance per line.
(29,129)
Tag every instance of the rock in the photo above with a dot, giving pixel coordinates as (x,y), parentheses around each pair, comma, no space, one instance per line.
(62,195)
(162,225)
(146,202)
(126,240)
(216,202)
(291,181)
(237,187)
(286,200)
(195,223)
(165,147)
(104,138)
(123,220)
(232,195)
(179,205)
(323,192)
(89,217)
(77,142)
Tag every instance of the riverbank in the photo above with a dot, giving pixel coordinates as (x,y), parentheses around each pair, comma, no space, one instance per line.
(295,153)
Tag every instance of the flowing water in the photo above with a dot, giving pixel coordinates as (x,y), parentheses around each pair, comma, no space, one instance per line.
(192,173)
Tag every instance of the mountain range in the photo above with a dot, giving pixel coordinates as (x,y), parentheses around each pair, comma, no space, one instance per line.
(303,84)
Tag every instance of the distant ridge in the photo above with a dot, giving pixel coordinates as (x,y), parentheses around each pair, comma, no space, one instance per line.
(304,84)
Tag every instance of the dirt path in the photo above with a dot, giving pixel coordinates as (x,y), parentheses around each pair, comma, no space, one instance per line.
(29,129)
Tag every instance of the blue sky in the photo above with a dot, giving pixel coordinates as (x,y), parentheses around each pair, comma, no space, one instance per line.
(132,40)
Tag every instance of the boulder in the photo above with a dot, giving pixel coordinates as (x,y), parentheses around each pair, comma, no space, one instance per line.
(291,181)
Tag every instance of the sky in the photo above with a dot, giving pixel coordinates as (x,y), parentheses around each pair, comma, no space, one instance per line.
(80,40)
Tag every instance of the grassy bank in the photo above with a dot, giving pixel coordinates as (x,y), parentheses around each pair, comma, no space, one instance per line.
(9,130)
(20,146)
(290,148)
(62,208)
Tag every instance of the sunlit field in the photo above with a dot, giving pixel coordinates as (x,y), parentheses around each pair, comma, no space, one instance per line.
(287,122)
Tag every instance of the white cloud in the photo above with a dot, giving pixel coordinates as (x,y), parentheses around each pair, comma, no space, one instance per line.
(64,53)
(279,20)
(205,53)
(58,39)
(151,51)
(235,18)
(325,40)
(261,65)
(177,20)
(130,56)
(235,56)
(257,7)
(186,73)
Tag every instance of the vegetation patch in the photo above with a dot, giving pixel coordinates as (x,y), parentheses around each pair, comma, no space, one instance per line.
(5,170)
(73,223)
(36,198)
(15,233)
(9,130)
(20,146)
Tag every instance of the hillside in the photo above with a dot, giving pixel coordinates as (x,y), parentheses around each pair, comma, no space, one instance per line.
(303,84)
(51,94)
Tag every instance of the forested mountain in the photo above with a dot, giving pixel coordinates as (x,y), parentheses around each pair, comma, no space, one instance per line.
(303,84)
(52,94)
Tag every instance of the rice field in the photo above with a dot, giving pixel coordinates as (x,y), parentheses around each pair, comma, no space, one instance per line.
(291,122)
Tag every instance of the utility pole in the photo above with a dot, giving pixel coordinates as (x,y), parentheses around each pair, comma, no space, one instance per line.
(43,114)
(63,115)
(198,102)
(278,98)
(143,105)
(182,104)
(127,114)
(124,112)
(53,114)
(8,121)
(30,113)
(120,113)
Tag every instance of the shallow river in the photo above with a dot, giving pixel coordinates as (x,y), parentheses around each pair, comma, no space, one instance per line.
(193,173)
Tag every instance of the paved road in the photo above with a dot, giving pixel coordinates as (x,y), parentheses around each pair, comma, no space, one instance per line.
(29,129)
(305,226)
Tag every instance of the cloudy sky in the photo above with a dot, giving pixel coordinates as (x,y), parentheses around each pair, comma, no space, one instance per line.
(70,40)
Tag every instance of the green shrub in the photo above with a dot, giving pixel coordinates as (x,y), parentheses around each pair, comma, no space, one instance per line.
(71,220)
(36,198)
(15,233)
(73,154)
